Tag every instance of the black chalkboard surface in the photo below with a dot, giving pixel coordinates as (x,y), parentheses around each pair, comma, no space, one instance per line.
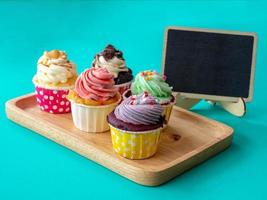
(215,63)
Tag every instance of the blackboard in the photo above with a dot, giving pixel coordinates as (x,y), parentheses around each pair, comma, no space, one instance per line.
(215,63)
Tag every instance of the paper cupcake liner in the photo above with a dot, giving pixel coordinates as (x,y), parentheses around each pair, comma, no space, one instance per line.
(126,94)
(91,118)
(53,100)
(135,145)
(123,87)
(166,113)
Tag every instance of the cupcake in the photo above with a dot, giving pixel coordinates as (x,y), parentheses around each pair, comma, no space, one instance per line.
(135,126)
(55,76)
(92,99)
(153,83)
(112,60)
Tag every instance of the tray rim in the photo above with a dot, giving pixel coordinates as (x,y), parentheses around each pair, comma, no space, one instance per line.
(88,149)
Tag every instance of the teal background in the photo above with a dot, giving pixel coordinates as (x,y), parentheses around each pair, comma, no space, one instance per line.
(32,167)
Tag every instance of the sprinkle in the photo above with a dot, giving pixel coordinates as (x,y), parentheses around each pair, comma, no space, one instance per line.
(146,93)
(145,73)
(148,78)
(142,74)
(164,77)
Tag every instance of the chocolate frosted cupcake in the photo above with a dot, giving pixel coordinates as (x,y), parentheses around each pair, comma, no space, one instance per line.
(135,126)
(112,59)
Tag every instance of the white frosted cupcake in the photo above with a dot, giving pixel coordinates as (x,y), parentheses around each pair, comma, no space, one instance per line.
(54,77)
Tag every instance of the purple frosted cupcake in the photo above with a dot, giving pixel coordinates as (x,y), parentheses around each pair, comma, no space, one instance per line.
(135,126)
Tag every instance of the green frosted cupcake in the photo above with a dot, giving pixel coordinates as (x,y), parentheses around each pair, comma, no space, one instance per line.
(152,82)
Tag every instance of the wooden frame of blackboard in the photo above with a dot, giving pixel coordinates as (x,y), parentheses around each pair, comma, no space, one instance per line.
(215,97)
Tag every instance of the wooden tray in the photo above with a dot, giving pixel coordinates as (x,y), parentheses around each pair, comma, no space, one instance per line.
(187,141)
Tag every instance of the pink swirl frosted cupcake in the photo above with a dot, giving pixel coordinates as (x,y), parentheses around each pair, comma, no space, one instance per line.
(92,99)
(135,126)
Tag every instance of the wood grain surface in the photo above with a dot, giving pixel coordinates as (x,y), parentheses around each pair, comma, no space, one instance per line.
(188,140)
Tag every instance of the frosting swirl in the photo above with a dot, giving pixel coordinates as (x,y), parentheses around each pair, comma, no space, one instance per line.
(154,84)
(139,109)
(96,84)
(111,59)
(53,67)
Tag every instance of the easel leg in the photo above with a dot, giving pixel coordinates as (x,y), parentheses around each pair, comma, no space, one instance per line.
(211,102)
(236,108)
(186,103)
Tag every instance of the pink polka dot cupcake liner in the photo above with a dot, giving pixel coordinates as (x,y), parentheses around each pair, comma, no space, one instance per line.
(53,100)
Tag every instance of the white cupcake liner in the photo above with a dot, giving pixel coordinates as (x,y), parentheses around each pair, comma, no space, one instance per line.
(91,118)
(124,96)
(123,87)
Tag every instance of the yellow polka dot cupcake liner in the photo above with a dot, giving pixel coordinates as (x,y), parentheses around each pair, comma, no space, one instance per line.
(167,110)
(135,145)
